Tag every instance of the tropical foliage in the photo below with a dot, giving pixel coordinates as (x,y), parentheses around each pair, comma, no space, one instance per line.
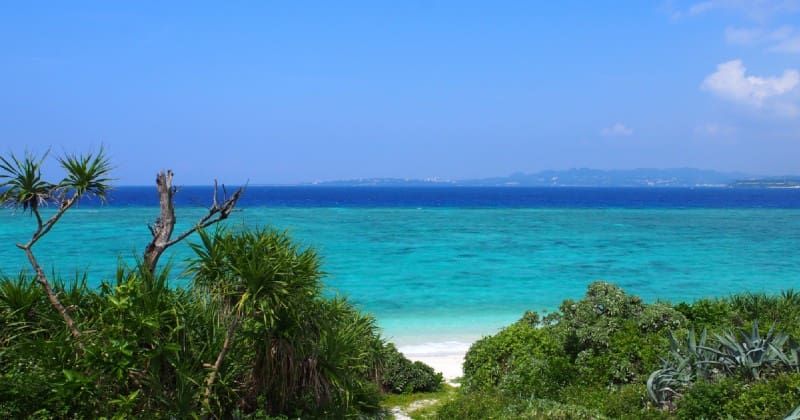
(148,347)
(748,355)
(402,376)
(612,355)
(251,335)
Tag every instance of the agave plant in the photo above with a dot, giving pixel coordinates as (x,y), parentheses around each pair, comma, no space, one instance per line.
(751,354)
(667,383)
(700,359)
(688,359)
(794,415)
(791,357)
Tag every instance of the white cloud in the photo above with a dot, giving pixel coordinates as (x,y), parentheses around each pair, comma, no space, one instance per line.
(617,130)
(731,82)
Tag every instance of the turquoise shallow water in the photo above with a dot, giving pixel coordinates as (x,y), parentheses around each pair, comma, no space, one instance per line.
(433,275)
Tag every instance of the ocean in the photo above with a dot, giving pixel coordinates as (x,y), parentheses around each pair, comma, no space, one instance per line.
(450,264)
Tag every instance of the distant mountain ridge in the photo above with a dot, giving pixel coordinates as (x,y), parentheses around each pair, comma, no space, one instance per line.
(582,177)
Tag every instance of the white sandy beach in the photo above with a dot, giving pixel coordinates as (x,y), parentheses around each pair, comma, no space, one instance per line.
(445,357)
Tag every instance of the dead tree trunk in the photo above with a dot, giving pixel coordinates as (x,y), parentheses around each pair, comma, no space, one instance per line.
(163,227)
(165,224)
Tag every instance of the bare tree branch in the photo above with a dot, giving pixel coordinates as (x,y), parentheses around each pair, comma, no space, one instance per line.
(53,297)
(45,227)
(41,278)
(163,227)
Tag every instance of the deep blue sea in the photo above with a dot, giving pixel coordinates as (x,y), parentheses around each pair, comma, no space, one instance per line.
(454,263)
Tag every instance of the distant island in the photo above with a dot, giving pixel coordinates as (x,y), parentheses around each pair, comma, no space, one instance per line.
(583,177)
(770,182)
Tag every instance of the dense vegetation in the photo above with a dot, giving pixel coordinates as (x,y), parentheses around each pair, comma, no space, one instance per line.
(252,335)
(612,355)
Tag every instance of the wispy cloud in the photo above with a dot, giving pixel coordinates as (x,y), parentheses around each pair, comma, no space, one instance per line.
(757,10)
(760,15)
(788,44)
(617,130)
(784,39)
(731,82)
(699,8)
(714,129)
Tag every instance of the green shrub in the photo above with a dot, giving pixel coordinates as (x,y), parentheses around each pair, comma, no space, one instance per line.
(517,351)
(707,313)
(475,405)
(629,402)
(547,409)
(147,346)
(705,400)
(630,356)
(401,375)
(538,377)
(742,309)
(595,355)
(770,399)
(659,317)
(625,401)
(488,405)
(773,398)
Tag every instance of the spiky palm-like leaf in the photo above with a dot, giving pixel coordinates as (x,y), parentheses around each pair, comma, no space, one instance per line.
(87,174)
(253,274)
(18,294)
(21,183)
(259,266)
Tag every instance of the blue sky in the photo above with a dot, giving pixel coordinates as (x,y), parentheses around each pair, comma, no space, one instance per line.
(281,92)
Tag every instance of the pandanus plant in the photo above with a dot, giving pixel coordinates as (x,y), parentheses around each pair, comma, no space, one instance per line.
(22,187)
(250,274)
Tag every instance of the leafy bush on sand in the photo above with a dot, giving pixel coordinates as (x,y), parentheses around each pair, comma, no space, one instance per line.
(402,376)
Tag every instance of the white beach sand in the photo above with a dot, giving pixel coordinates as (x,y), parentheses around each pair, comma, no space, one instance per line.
(445,357)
